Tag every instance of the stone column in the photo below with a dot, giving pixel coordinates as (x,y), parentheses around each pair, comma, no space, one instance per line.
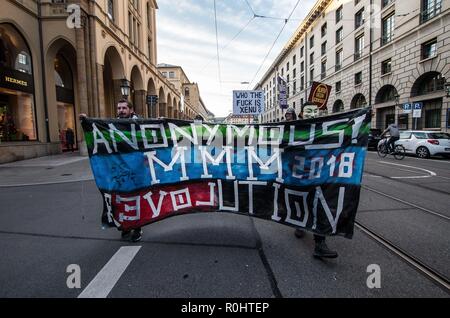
(89,81)
(117,94)
(81,78)
(162,110)
(81,69)
(139,108)
(101,91)
(94,67)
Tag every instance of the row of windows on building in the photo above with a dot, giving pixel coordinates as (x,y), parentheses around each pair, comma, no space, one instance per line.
(428,50)
(430,8)
(134,22)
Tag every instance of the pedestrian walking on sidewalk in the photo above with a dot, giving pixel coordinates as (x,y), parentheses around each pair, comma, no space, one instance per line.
(125,110)
(70,139)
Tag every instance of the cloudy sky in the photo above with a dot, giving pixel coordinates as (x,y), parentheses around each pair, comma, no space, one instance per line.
(187,37)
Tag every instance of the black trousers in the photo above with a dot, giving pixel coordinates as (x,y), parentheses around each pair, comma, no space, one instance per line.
(391,143)
(319,238)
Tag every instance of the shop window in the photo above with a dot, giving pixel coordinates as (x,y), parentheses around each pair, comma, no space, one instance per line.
(386,67)
(403,121)
(448,118)
(429,49)
(17,109)
(433,118)
(390,119)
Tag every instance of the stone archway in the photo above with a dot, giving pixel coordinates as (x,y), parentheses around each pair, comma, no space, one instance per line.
(387,93)
(169,106)
(338,106)
(17,102)
(113,72)
(152,110)
(358,101)
(174,109)
(63,93)
(162,103)
(137,92)
(427,83)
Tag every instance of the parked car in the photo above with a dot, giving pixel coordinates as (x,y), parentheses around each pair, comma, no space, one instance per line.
(374,138)
(425,143)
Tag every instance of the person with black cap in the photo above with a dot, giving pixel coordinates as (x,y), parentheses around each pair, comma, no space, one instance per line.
(290,114)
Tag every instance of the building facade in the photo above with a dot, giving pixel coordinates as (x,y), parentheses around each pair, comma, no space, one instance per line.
(61,58)
(378,53)
(192,103)
(233,119)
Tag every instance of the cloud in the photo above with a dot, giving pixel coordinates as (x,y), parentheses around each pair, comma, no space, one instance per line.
(186,37)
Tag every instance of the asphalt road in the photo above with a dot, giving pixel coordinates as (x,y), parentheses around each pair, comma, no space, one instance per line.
(46,228)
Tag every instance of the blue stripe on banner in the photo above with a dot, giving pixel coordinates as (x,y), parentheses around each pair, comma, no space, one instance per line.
(130,172)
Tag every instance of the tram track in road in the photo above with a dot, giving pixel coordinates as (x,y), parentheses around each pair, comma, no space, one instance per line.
(419,185)
(435,276)
(428,211)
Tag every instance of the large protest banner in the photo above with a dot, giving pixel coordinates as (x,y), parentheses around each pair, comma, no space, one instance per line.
(303,173)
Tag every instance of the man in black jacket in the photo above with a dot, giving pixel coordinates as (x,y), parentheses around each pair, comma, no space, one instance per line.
(125,110)
(321,249)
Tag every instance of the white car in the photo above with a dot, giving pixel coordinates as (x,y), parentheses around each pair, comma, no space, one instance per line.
(425,143)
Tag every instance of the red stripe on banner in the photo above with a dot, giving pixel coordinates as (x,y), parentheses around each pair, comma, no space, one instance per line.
(137,209)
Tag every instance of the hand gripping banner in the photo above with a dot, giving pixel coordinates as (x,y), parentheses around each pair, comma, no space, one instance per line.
(304,173)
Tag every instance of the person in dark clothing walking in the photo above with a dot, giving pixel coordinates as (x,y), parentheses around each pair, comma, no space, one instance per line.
(70,139)
(321,249)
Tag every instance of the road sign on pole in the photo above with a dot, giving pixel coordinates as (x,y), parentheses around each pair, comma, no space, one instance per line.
(417,112)
(407,108)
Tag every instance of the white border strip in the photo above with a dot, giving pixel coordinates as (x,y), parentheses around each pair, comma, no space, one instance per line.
(106,279)
(44,183)
(431,173)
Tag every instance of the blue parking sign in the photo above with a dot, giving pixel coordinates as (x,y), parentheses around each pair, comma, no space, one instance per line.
(407,108)
(417,113)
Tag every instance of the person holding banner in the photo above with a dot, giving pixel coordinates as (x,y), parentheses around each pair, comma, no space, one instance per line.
(125,111)
(290,114)
(321,250)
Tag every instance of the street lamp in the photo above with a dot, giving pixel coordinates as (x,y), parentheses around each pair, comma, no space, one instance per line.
(447,88)
(125,87)
(397,99)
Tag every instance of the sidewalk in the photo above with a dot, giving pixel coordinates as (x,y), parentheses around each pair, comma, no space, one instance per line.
(67,167)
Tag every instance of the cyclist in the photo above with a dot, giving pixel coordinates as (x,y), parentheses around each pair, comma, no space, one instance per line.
(394,133)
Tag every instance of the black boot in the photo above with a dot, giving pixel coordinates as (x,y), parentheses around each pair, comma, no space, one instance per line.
(137,235)
(126,234)
(299,233)
(321,250)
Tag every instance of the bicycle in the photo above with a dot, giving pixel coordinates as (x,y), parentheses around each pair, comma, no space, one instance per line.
(398,153)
